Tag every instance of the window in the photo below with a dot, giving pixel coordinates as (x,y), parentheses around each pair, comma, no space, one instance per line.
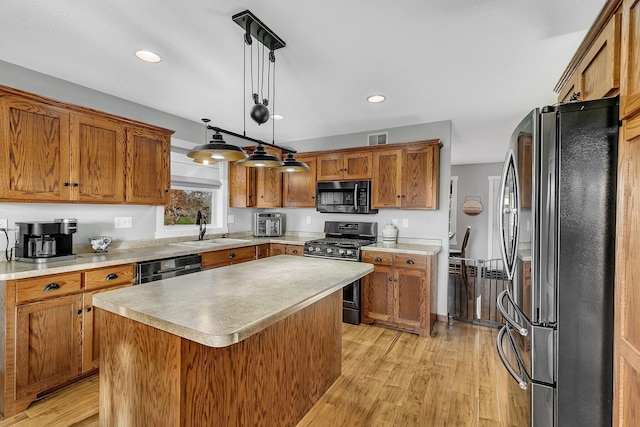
(453,209)
(184,204)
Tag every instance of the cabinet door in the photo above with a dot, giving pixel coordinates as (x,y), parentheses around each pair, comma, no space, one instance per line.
(358,165)
(571,90)
(330,167)
(48,343)
(97,159)
(91,331)
(269,184)
(420,177)
(242,186)
(277,249)
(262,251)
(299,188)
(630,62)
(599,69)
(297,250)
(148,166)
(410,303)
(377,294)
(34,151)
(387,179)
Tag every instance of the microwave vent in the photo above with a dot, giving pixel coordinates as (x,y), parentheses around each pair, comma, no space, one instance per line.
(377,138)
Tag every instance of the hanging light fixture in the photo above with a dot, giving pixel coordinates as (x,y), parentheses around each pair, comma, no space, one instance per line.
(260,158)
(290,164)
(216,149)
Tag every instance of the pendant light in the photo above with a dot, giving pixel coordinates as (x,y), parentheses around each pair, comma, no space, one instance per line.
(260,158)
(290,164)
(216,149)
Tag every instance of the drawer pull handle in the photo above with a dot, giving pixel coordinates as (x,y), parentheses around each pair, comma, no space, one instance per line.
(378,259)
(232,255)
(51,287)
(111,276)
(410,261)
(295,251)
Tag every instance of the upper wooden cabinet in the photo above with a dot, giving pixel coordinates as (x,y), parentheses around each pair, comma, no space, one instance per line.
(407,177)
(630,59)
(340,166)
(57,152)
(242,186)
(299,188)
(254,186)
(269,184)
(148,166)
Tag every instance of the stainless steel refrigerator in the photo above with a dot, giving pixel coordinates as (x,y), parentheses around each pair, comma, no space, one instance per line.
(557,211)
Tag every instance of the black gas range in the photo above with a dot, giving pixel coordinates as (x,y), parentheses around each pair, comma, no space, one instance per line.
(343,241)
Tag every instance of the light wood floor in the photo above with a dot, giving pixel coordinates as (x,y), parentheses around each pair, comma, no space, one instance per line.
(389,378)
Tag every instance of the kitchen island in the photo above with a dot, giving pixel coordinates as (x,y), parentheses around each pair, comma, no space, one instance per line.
(250,344)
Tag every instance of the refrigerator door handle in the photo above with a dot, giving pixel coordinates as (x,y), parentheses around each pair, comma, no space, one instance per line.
(520,378)
(509,254)
(520,328)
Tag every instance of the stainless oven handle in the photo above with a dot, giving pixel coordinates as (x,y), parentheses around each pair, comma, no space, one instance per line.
(519,378)
(355,196)
(521,329)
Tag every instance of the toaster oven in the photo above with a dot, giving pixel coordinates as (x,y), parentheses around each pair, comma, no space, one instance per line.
(268,224)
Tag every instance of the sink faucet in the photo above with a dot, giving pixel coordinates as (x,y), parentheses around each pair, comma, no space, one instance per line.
(203,225)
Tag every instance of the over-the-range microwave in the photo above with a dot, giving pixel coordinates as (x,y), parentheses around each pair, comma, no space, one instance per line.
(353,197)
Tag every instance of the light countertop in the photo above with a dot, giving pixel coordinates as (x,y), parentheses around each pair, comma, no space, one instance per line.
(407,248)
(223,306)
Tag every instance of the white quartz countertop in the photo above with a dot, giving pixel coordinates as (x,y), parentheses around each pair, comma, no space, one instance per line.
(223,306)
(407,248)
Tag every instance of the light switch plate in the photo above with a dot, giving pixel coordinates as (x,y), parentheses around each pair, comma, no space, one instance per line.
(308,219)
(123,222)
(4,223)
(405,222)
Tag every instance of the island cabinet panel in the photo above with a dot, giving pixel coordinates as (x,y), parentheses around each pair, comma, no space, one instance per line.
(299,188)
(48,342)
(387,179)
(630,62)
(271,378)
(221,258)
(148,166)
(401,291)
(34,151)
(97,153)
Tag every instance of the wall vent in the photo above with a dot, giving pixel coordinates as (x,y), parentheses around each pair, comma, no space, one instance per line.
(377,138)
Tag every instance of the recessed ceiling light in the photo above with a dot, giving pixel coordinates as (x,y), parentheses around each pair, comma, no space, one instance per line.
(277,116)
(148,56)
(376,98)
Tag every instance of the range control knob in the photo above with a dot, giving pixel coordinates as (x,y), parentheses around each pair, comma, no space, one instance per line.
(341,251)
(329,250)
(349,252)
(318,249)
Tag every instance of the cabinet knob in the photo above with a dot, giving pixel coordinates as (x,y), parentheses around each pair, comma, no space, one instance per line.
(232,255)
(410,261)
(403,196)
(166,190)
(391,279)
(66,184)
(75,184)
(88,309)
(398,196)
(295,251)
(111,276)
(51,287)
(79,311)
(378,259)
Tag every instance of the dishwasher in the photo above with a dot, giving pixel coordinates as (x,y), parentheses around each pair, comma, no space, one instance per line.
(158,269)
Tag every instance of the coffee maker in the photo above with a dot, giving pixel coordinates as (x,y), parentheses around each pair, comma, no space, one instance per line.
(45,241)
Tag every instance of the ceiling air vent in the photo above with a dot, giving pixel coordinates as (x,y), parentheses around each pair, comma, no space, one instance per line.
(377,138)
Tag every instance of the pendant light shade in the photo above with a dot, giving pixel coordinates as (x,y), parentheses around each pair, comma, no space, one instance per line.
(290,164)
(260,158)
(217,149)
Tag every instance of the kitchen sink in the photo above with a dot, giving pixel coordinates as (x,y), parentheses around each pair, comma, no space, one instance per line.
(210,242)
(227,241)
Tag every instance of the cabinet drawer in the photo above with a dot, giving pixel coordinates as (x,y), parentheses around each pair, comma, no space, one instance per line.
(39,288)
(410,261)
(294,250)
(109,276)
(377,258)
(228,257)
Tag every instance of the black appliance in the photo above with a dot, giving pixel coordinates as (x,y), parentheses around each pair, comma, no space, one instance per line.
(352,197)
(343,241)
(557,341)
(151,271)
(45,241)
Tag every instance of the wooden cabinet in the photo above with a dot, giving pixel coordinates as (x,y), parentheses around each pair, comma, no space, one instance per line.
(269,184)
(221,258)
(242,186)
(50,335)
(630,59)
(58,152)
(401,291)
(525,159)
(262,251)
(599,71)
(299,188)
(349,166)
(571,89)
(386,184)
(253,186)
(148,166)
(282,249)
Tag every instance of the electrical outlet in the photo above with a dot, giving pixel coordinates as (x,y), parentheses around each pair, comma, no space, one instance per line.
(4,223)
(394,221)
(308,219)
(123,222)
(405,222)
(231,219)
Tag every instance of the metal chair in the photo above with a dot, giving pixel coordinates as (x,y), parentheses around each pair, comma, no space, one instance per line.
(456,258)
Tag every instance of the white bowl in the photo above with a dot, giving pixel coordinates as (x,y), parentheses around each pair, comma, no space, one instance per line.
(100,243)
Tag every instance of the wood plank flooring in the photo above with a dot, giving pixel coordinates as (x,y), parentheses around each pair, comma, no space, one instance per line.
(389,378)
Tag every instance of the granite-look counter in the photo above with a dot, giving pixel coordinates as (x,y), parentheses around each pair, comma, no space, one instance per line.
(224,306)
(20,270)
(407,248)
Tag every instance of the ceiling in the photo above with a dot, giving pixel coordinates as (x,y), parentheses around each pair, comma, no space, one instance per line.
(483,64)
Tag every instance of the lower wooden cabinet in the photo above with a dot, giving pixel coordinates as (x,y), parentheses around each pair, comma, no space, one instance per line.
(50,334)
(401,291)
(282,249)
(222,258)
(262,251)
